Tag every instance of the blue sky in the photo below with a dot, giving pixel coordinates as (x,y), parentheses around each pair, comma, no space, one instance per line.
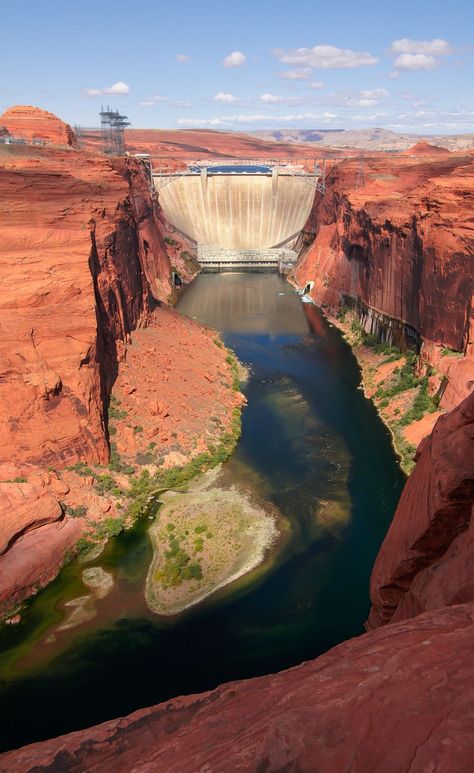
(408,66)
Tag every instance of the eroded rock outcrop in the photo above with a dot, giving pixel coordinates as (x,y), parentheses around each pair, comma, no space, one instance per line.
(399,246)
(84,263)
(81,264)
(426,560)
(396,699)
(37,125)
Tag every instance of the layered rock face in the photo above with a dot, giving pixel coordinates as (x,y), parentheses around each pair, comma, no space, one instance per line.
(426,560)
(83,263)
(396,699)
(32,123)
(398,242)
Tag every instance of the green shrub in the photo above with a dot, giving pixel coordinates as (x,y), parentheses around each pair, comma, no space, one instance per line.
(446,351)
(116,464)
(76,512)
(144,458)
(110,527)
(117,413)
(81,469)
(423,403)
(83,544)
(104,484)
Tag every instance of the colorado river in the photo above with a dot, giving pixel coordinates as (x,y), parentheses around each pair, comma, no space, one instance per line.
(314,449)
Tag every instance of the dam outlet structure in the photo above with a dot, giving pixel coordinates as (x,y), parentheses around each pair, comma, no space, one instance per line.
(242,214)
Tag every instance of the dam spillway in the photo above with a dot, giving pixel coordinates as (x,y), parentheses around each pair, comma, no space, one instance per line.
(237,211)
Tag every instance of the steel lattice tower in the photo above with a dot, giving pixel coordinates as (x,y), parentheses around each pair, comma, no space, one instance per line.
(112,126)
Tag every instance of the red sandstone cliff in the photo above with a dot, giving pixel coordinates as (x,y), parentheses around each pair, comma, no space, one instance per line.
(81,259)
(34,124)
(426,560)
(401,245)
(83,263)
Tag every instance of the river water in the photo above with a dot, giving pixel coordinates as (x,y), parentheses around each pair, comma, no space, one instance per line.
(312,447)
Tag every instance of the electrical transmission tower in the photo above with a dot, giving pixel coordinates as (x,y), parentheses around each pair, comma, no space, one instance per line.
(360,182)
(112,125)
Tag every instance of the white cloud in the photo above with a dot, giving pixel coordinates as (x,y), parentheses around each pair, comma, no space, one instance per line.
(436,47)
(299,74)
(118,89)
(416,62)
(275,99)
(325,57)
(250,118)
(394,74)
(271,98)
(235,59)
(367,117)
(374,93)
(418,54)
(315,85)
(223,97)
(153,101)
(182,58)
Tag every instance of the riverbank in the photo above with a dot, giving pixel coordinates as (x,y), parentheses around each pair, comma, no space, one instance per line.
(397,382)
(397,386)
(174,411)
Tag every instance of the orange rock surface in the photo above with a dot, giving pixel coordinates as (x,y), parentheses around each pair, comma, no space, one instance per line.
(79,255)
(398,244)
(193,144)
(32,123)
(426,559)
(424,148)
(84,264)
(175,388)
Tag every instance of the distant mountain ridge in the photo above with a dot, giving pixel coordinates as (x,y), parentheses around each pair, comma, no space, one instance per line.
(368,139)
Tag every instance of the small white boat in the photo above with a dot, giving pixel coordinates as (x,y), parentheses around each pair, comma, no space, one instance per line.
(306,299)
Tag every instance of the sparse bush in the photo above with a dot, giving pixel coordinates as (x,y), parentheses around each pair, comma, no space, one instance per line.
(446,351)
(76,512)
(81,469)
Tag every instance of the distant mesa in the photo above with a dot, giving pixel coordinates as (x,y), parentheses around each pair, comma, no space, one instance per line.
(424,148)
(32,123)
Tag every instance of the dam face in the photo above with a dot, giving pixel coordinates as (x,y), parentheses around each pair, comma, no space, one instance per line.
(237,211)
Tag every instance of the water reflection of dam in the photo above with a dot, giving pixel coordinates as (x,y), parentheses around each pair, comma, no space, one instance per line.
(237,210)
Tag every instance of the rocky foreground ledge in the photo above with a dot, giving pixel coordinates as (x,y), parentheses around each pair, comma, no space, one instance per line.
(397,699)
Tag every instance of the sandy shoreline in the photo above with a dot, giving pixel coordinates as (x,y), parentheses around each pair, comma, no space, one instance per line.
(237,537)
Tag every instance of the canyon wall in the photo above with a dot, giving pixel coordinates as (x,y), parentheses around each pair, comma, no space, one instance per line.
(83,265)
(398,244)
(426,559)
(83,260)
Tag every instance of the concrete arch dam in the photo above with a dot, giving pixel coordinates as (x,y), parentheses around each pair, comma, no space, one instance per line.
(237,211)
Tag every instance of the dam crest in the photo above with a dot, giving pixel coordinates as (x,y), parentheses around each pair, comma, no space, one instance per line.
(241,213)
